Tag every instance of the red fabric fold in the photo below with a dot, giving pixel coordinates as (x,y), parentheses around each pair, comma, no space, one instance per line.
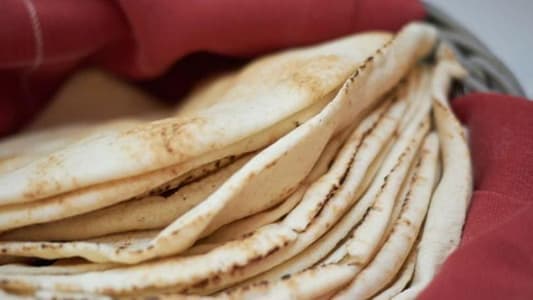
(495,257)
(44,40)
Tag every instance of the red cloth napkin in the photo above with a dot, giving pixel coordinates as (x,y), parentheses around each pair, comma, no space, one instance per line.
(43,40)
(495,257)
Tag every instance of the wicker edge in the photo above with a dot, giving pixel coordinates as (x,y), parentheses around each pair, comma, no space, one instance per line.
(487,73)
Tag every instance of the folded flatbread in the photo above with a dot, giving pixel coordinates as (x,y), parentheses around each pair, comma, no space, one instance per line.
(280,85)
(275,171)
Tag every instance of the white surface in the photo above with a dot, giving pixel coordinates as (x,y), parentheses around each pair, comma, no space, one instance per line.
(506,27)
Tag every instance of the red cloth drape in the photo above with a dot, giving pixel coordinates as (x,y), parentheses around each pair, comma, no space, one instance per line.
(42,41)
(495,257)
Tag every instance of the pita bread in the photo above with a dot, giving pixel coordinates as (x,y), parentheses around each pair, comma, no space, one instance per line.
(325,244)
(274,170)
(384,192)
(48,295)
(443,227)
(15,162)
(282,85)
(388,261)
(249,224)
(5,259)
(152,212)
(44,141)
(325,279)
(368,235)
(37,143)
(119,248)
(111,248)
(343,164)
(328,198)
(401,280)
(20,150)
(7,296)
(243,258)
(54,269)
(314,283)
(357,175)
(274,227)
(106,194)
(418,87)
(319,249)
(305,260)
(417,108)
(93,198)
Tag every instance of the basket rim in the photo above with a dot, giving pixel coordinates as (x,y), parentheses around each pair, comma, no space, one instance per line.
(492,73)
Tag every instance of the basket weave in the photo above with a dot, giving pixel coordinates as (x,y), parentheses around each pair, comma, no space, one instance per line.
(486,72)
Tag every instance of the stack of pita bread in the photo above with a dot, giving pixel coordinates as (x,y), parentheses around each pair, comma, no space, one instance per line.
(334,171)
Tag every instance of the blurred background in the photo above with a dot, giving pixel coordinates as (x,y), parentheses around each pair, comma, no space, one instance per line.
(506,27)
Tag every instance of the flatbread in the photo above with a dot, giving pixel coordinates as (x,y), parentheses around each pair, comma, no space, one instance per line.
(443,228)
(243,258)
(366,237)
(401,280)
(314,283)
(357,176)
(54,269)
(326,243)
(184,142)
(249,224)
(325,280)
(151,212)
(22,149)
(388,261)
(282,85)
(129,248)
(93,198)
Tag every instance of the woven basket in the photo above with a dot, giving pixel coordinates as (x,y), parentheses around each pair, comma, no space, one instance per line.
(486,72)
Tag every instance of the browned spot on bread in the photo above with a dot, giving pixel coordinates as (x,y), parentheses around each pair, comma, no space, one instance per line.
(247,235)
(170,188)
(406,222)
(202,283)
(162,135)
(271,164)
(236,268)
(368,60)
(385,183)
(356,263)
(107,291)
(40,183)
(376,208)
(286,276)
(302,73)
